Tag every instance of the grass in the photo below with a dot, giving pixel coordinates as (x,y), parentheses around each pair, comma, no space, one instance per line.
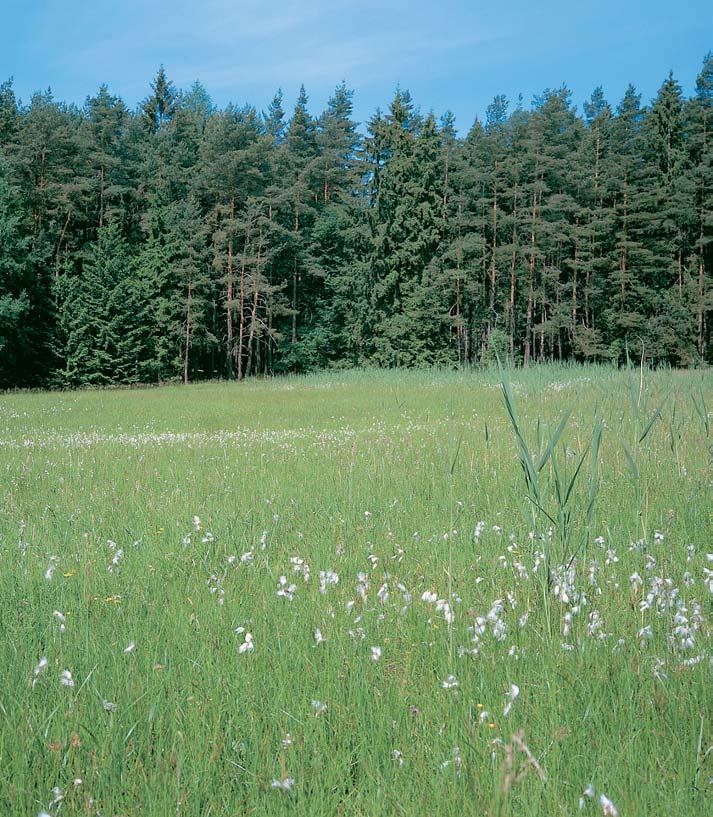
(416,481)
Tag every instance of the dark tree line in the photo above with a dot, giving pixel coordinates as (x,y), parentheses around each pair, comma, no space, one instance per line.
(183,241)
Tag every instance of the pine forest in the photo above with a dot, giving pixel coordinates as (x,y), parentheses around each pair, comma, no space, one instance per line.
(181,241)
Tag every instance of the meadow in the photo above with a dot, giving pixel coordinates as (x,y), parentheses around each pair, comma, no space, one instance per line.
(359,593)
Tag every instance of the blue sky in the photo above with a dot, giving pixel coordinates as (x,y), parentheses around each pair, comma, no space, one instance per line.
(451,54)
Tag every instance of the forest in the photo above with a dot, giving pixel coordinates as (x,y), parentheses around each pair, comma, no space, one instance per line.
(182,241)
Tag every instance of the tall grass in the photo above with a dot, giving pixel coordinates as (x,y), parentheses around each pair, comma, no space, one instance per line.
(486,540)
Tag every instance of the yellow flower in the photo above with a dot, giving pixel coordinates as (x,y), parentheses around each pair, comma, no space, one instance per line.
(70,573)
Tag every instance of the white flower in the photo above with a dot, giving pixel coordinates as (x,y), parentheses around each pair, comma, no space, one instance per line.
(286,590)
(66,678)
(41,665)
(318,637)
(318,707)
(116,560)
(442,606)
(287,741)
(375,653)
(197,522)
(512,694)
(51,567)
(429,597)
(129,648)
(327,577)
(108,706)
(247,645)
(61,619)
(247,557)
(285,784)
(451,682)
(608,808)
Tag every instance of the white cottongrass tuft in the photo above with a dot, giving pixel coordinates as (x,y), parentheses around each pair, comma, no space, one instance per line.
(284,785)
(512,694)
(38,670)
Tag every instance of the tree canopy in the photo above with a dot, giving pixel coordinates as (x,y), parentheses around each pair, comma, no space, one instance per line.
(187,241)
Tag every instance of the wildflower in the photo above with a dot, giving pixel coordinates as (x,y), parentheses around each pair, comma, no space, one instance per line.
(247,557)
(442,606)
(499,630)
(247,645)
(327,577)
(588,793)
(285,784)
(319,708)
(362,585)
(61,619)
(451,682)
(318,637)
(429,597)
(66,678)
(286,590)
(51,567)
(608,808)
(512,694)
(197,522)
(108,706)
(116,560)
(129,648)
(41,666)
(287,741)
(398,757)
(383,593)
(299,565)
(375,653)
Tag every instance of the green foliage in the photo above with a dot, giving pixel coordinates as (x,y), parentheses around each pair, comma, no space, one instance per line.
(263,243)
(388,479)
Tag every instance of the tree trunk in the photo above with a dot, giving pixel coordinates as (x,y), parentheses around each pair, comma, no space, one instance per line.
(229,297)
(529,350)
(187,339)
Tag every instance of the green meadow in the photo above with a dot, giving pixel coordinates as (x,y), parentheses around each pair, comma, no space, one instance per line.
(359,593)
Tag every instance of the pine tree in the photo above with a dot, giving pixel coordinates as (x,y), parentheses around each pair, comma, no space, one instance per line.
(699,117)
(101,315)
(160,105)
(17,328)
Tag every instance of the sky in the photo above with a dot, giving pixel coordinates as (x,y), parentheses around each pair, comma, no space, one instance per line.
(450,54)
